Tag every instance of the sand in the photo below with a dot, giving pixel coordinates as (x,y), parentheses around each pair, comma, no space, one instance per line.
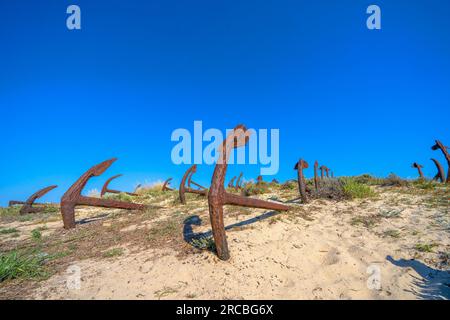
(358,249)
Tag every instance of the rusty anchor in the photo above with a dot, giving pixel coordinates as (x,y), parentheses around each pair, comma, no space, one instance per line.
(166,184)
(443,148)
(316,178)
(105,188)
(73,198)
(239,182)
(440,175)
(419,168)
(299,166)
(218,197)
(28,205)
(183,188)
(231,183)
(322,171)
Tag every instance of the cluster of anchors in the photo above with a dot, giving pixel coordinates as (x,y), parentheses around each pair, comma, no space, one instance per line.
(440,175)
(216,194)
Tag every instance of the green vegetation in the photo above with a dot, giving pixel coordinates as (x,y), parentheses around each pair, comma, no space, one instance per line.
(113,252)
(355,190)
(165,229)
(204,243)
(8,230)
(392,233)
(22,265)
(250,189)
(119,197)
(425,247)
(367,222)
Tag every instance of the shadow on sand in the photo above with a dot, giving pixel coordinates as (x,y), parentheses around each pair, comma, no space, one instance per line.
(432,284)
(189,234)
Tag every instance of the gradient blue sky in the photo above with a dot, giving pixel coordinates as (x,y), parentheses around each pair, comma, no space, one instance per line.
(357,100)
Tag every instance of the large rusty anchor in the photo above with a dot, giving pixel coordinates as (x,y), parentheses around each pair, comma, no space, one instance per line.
(316,178)
(105,188)
(166,184)
(218,197)
(73,197)
(419,169)
(299,166)
(183,188)
(443,148)
(28,205)
(440,175)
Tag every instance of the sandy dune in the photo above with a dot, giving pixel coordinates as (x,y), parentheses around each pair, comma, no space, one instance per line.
(321,250)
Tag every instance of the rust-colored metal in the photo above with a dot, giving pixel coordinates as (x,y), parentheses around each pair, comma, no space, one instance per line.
(440,145)
(322,171)
(106,190)
(327,172)
(28,205)
(15,202)
(73,198)
(441,173)
(299,166)
(218,197)
(187,189)
(316,178)
(239,182)
(166,184)
(231,183)
(419,168)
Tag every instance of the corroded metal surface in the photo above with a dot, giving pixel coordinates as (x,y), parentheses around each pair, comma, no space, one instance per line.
(28,205)
(440,145)
(166,184)
(419,169)
(73,198)
(316,178)
(106,189)
(299,166)
(441,173)
(218,197)
(183,188)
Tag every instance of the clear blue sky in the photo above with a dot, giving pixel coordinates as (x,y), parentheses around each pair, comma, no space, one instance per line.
(357,100)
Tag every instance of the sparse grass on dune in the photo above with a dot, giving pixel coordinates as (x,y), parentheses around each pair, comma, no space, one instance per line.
(25,264)
(9,214)
(251,188)
(119,197)
(356,190)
